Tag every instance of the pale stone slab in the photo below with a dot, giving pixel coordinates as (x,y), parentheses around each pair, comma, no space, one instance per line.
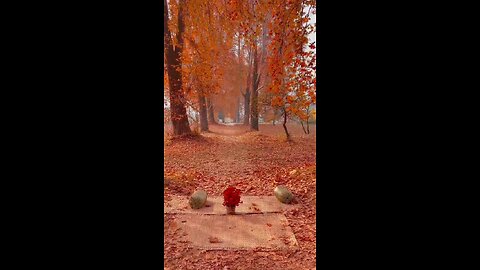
(213,206)
(270,231)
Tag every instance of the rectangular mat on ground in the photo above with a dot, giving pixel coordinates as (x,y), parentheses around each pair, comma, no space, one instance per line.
(250,205)
(269,231)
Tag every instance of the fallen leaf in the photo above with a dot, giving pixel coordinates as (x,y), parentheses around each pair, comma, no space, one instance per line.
(214,240)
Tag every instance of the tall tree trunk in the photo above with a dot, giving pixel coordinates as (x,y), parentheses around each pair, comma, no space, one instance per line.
(258,62)
(240,67)
(285,123)
(174,64)
(255,83)
(246,119)
(247,93)
(211,114)
(203,111)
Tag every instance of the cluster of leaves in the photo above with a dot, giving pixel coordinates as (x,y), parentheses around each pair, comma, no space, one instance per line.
(292,61)
(231,197)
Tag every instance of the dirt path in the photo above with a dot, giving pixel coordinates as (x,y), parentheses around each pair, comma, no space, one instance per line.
(255,162)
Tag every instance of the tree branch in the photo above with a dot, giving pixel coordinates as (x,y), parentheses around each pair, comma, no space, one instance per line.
(257,81)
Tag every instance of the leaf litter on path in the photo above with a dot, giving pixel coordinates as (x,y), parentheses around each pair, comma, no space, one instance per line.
(255,162)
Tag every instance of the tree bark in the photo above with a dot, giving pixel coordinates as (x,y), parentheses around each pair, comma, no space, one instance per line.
(258,62)
(255,83)
(174,63)
(285,124)
(211,114)
(246,119)
(240,67)
(203,111)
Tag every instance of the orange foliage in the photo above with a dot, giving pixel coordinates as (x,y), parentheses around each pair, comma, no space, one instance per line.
(218,37)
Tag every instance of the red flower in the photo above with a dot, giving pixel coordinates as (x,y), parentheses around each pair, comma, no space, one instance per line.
(231,197)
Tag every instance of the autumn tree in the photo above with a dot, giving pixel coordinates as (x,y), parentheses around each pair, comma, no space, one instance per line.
(208,54)
(174,70)
(247,16)
(291,65)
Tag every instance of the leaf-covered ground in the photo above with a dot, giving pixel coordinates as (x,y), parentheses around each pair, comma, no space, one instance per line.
(255,162)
